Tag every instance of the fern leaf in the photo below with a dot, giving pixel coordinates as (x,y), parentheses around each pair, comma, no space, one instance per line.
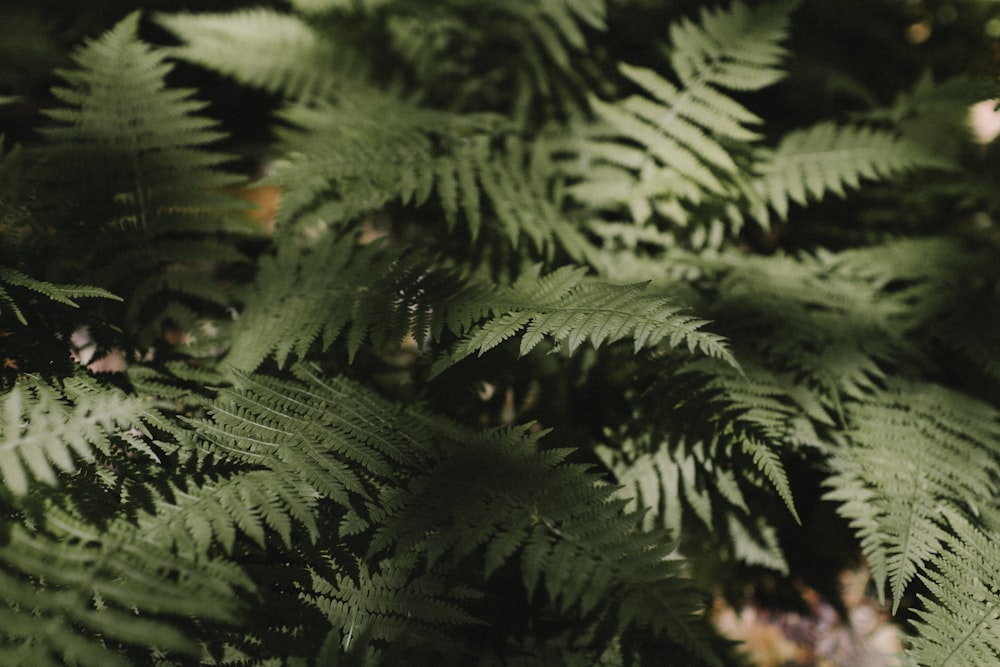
(915,452)
(386,597)
(199,516)
(302,299)
(676,608)
(826,158)
(419,476)
(725,409)
(63,294)
(45,429)
(494,484)
(291,56)
(569,309)
(142,186)
(959,624)
(122,135)
(736,48)
(661,151)
(341,162)
(51,578)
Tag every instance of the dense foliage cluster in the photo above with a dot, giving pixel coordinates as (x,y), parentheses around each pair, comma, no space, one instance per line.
(572,313)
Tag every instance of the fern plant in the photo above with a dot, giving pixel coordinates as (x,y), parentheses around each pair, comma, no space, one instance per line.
(556,333)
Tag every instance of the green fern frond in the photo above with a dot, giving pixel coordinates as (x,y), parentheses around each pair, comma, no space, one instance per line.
(670,480)
(828,158)
(300,299)
(959,624)
(736,48)
(297,433)
(140,183)
(198,517)
(124,136)
(46,429)
(63,294)
(948,301)
(838,329)
(756,543)
(387,599)
(675,608)
(674,147)
(342,162)
(75,582)
(291,56)
(546,43)
(915,452)
(415,476)
(295,305)
(511,500)
(706,405)
(572,310)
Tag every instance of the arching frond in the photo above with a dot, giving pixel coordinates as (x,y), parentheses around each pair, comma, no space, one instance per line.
(291,56)
(915,453)
(46,429)
(959,625)
(343,162)
(140,182)
(669,149)
(571,310)
(64,294)
(825,158)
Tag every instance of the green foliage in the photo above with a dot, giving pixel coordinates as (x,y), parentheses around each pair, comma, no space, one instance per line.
(555,332)
(132,154)
(825,158)
(916,454)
